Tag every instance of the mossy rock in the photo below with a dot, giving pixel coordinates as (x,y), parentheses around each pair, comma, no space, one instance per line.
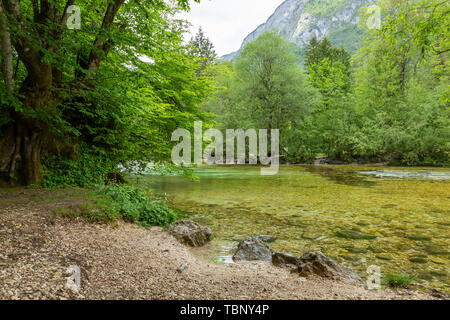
(351,258)
(439,274)
(312,236)
(355,235)
(418,260)
(374,250)
(425,276)
(419,238)
(389,206)
(436,250)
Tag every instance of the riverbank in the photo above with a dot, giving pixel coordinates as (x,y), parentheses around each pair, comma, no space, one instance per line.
(129,262)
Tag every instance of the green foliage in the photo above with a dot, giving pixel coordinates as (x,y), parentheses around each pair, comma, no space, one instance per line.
(329,69)
(135,205)
(146,86)
(325,8)
(125,202)
(269,84)
(87,170)
(349,36)
(400,280)
(93,211)
(265,89)
(203,49)
(387,104)
(401,96)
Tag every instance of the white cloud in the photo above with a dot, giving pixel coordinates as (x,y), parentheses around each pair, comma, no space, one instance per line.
(228,22)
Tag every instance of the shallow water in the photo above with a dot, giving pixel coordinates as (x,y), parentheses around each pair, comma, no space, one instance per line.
(326,208)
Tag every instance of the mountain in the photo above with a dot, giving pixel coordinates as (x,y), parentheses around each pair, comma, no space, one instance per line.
(299,20)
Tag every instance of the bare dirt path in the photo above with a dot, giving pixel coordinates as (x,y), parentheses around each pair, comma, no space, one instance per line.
(128,262)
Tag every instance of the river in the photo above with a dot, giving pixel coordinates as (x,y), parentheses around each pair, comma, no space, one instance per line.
(395,218)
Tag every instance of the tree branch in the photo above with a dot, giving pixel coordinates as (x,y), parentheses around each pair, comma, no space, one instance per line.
(65,15)
(23,46)
(101,44)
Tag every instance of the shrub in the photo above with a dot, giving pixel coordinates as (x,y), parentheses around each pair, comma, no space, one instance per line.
(87,170)
(400,280)
(137,206)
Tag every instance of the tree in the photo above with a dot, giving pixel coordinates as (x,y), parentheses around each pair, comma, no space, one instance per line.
(329,69)
(57,65)
(266,89)
(203,48)
(402,86)
(270,85)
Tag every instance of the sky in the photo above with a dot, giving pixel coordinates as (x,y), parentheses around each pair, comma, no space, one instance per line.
(227,22)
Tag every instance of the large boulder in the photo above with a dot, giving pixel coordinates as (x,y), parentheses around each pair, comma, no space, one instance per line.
(191,233)
(251,249)
(315,263)
(280,259)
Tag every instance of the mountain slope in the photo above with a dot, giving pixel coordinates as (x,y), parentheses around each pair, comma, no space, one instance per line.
(299,20)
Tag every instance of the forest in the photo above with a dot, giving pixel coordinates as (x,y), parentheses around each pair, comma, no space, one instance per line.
(82,101)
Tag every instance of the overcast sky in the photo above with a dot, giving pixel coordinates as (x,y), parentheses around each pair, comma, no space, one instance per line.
(228,22)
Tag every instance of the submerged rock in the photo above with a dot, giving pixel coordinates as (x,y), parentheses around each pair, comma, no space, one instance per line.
(351,258)
(281,259)
(315,263)
(436,250)
(191,233)
(355,250)
(419,238)
(354,234)
(267,239)
(418,260)
(314,237)
(252,249)
(374,250)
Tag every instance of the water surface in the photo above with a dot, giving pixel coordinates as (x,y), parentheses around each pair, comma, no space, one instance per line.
(395,218)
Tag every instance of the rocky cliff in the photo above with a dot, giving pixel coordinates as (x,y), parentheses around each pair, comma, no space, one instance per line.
(299,20)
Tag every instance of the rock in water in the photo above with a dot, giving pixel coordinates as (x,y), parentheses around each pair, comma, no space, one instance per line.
(315,263)
(191,233)
(354,234)
(281,259)
(266,239)
(252,249)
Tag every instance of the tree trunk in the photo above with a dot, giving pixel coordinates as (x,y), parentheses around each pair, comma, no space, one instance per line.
(20,154)
(7,58)
(30,152)
(20,147)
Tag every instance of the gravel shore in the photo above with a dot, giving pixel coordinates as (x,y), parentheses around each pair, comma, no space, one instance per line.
(128,262)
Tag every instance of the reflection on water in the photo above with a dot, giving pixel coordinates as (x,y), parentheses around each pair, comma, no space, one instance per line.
(408,174)
(358,219)
(342,176)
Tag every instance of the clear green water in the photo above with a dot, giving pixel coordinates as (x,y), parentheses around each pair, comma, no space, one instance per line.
(306,207)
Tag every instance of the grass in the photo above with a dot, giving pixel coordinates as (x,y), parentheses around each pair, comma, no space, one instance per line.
(93,211)
(400,280)
(98,203)
(129,203)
